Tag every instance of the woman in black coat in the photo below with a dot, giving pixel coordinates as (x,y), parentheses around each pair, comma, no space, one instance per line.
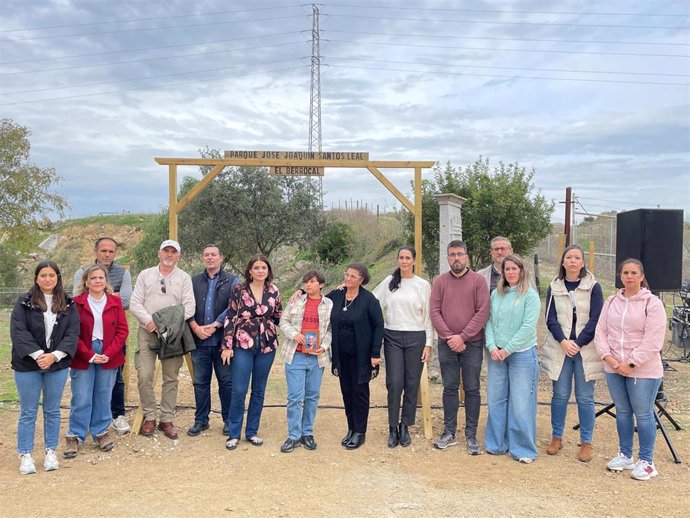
(357,327)
(44,329)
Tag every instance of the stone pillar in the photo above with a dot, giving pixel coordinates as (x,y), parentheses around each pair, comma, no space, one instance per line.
(450,224)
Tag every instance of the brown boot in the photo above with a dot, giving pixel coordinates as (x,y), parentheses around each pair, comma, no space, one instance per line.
(105,442)
(71,447)
(555,446)
(585,454)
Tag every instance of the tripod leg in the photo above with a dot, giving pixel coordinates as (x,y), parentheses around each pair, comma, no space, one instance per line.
(663,411)
(661,427)
(605,410)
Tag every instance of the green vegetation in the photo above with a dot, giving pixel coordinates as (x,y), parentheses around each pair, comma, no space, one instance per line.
(8,390)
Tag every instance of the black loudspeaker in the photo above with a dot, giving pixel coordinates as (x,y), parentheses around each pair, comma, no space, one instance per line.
(655,237)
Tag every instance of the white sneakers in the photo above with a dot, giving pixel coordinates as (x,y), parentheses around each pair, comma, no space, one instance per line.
(620,462)
(120,425)
(28,467)
(644,470)
(51,463)
(26,464)
(641,470)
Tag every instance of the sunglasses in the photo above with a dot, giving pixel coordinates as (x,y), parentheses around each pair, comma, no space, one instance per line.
(163,286)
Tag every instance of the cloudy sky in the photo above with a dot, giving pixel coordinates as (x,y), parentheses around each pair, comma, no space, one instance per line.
(593,95)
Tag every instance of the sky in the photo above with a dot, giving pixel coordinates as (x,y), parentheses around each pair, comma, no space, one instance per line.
(592,95)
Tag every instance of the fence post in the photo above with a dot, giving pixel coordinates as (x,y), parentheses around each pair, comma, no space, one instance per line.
(591,257)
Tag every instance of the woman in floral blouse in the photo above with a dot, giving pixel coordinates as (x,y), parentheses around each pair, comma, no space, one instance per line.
(251,340)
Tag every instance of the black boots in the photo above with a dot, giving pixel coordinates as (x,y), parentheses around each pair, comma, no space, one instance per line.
(404,435)
(393,437)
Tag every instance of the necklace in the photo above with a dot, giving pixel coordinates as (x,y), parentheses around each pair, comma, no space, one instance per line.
(348,304)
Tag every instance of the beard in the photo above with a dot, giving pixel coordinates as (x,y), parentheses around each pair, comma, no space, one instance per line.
(457,267)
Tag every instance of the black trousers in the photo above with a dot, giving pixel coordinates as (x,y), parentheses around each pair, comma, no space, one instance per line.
(403,351)
(355,395)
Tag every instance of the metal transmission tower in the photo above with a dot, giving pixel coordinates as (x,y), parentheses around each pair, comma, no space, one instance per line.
(315,96)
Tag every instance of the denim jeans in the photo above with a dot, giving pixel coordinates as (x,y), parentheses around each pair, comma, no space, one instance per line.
(30,385)
(584,396)
(634,396)
(92,389)
(303,378)
(511,390)
(469,362)
(117,401)
(205,361)
(403,352)
(245,365)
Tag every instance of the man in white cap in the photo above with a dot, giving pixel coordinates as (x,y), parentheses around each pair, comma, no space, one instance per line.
(156,288)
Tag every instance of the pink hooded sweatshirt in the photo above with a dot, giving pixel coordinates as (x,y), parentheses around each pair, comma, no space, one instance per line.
(633,330)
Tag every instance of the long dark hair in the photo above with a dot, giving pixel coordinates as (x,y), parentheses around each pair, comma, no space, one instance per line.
(252,260)
(395,281)
(561,268)
(36,296)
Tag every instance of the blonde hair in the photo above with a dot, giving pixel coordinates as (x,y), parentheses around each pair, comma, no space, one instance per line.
(88,271)
(523,283)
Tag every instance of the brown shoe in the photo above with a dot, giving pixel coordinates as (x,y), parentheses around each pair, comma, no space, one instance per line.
(105,442)
(585,454)
(555,446)
(168,430)
(148,427)
(71,447)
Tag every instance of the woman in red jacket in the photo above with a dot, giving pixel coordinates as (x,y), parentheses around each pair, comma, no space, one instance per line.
(94,368)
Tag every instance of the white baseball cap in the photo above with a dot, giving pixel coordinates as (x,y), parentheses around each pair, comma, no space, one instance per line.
(170,242)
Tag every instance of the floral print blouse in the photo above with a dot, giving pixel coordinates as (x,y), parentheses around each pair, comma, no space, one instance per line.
(254,322)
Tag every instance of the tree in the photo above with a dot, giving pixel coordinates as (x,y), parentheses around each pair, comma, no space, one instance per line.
(155,231)
(333,245)
(26,195)
(499,202)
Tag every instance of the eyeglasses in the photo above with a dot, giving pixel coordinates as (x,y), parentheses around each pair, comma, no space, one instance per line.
(500,249)
(163,286)
(350,276)
(458,255)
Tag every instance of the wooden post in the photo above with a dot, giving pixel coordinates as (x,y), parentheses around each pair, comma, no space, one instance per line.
(591,265)
(561,239)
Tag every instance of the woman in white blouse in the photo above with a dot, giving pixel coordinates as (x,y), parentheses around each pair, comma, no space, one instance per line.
(404,297)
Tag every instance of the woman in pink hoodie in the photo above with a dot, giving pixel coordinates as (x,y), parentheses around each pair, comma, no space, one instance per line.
(629,338)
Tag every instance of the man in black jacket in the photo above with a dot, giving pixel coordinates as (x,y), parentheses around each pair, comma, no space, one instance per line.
(212,289)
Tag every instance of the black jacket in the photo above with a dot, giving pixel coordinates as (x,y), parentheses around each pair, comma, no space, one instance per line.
(368,330)
(220,303)
(28,335)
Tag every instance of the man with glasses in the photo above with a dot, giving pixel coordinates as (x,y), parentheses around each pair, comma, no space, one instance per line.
(459,311)
(156,288)
(121,282)
(500,248)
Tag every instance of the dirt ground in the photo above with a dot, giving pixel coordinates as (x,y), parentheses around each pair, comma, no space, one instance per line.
(199,477)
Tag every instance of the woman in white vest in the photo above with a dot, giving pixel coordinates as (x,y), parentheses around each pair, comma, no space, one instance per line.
(574,301)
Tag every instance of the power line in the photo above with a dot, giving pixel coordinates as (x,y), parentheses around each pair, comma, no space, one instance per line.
(547,40)
(549,51)
(144,60)
(156,18)
(115,81)
(141,49)
(504,11)
(588,80)
(166,85)
(573,71)
(486,22)
(144,29)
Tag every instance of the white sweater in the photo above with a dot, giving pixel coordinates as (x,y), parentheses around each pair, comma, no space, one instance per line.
(407,308)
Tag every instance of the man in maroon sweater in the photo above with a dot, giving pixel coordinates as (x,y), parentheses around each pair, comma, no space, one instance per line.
(459,312)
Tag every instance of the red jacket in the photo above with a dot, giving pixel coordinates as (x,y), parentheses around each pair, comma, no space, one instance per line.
(115,331)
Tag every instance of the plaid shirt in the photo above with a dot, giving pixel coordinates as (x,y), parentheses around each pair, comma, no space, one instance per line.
(291,324)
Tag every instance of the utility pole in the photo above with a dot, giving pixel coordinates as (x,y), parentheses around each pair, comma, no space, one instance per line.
(568,205)
(315,95)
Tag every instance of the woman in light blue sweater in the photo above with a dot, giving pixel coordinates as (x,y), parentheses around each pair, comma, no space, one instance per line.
(511,337)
